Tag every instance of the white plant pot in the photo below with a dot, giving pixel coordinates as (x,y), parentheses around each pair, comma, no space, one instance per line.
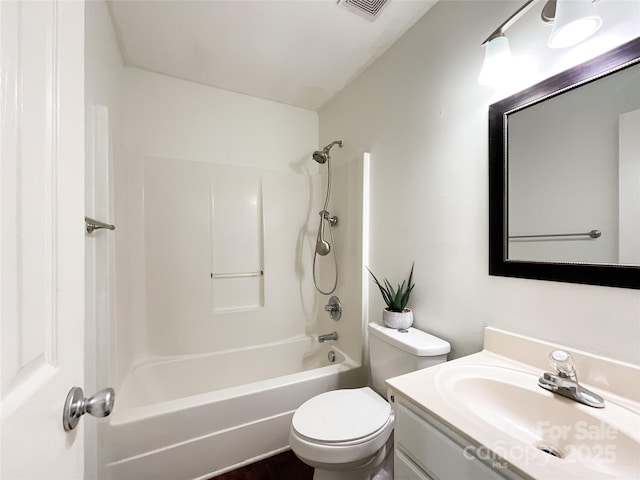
(398,320)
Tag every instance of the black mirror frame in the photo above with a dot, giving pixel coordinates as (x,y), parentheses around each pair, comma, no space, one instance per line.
(593,274)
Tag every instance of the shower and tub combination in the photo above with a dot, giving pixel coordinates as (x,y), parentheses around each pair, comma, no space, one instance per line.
(193,418)
(192,413)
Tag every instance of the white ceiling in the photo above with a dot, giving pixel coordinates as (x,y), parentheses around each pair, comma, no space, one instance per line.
(298,52)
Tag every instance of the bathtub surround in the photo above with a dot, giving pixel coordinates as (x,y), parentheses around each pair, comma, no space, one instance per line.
(174,121)
(220,250)
(350,203)
(423,117)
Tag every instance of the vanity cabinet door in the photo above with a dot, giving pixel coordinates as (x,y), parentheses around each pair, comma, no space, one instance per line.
(405,469)
(436,453)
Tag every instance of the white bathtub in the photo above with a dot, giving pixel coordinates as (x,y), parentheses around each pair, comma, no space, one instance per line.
(199,416)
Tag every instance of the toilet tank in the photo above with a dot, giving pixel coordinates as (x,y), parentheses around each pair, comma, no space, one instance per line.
(393,352)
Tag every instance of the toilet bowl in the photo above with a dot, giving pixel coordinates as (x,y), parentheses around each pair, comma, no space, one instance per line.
(348,434)
(342,430)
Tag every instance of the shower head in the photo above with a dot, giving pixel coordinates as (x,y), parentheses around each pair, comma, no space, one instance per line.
(321,156)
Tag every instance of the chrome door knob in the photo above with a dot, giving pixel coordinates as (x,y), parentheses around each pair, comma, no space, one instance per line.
(98,405)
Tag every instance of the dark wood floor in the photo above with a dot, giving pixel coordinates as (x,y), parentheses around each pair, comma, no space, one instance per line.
(284,466)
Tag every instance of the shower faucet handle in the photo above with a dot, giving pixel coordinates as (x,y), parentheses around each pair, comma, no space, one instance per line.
(334,307)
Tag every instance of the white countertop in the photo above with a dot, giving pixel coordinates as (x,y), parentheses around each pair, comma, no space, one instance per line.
(434,391)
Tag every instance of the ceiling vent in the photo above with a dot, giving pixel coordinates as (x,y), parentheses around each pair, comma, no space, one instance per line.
(369,9)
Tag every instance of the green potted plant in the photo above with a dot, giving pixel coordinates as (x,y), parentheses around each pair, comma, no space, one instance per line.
(396,315)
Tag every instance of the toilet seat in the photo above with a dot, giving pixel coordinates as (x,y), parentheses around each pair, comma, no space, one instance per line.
(341,428)
(342,417)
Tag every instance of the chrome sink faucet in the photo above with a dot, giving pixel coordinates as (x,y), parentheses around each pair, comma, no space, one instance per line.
(565,381)
(328,336)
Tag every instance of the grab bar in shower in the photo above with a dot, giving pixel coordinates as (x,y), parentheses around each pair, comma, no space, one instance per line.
(591,234)
(237,275)
(93,224)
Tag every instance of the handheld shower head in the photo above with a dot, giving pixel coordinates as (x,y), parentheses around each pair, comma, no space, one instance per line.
(323,247)
(322,156)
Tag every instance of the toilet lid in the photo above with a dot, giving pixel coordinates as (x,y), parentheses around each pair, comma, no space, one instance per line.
(342,415)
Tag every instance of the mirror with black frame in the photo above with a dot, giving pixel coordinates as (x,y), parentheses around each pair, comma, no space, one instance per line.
(564,175)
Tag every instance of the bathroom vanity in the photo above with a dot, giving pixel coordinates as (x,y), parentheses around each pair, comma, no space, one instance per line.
(485,417)
(424,444)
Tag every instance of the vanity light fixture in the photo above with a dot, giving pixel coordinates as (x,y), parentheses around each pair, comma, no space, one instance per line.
(497,61)
(573,21)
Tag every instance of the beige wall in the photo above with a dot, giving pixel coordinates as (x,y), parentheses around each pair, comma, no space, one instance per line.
(423,117)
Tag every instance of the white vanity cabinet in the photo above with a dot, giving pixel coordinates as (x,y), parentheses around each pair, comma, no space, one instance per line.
(425,449)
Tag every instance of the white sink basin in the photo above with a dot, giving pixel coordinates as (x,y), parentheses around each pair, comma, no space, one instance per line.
(521,422)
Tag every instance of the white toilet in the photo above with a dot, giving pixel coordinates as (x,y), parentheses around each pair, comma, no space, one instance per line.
(347,434)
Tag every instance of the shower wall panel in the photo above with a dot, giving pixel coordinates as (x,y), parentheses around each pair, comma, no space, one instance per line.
(236,239)
(195,126)
(177,245)
(228,250)
(349,202)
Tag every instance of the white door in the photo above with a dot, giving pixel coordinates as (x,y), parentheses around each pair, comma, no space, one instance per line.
(41,235)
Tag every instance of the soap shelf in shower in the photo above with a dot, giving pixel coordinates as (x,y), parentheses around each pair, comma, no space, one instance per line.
(238,275)
(237,291)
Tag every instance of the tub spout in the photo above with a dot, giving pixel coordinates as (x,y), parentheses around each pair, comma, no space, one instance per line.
(328,336)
